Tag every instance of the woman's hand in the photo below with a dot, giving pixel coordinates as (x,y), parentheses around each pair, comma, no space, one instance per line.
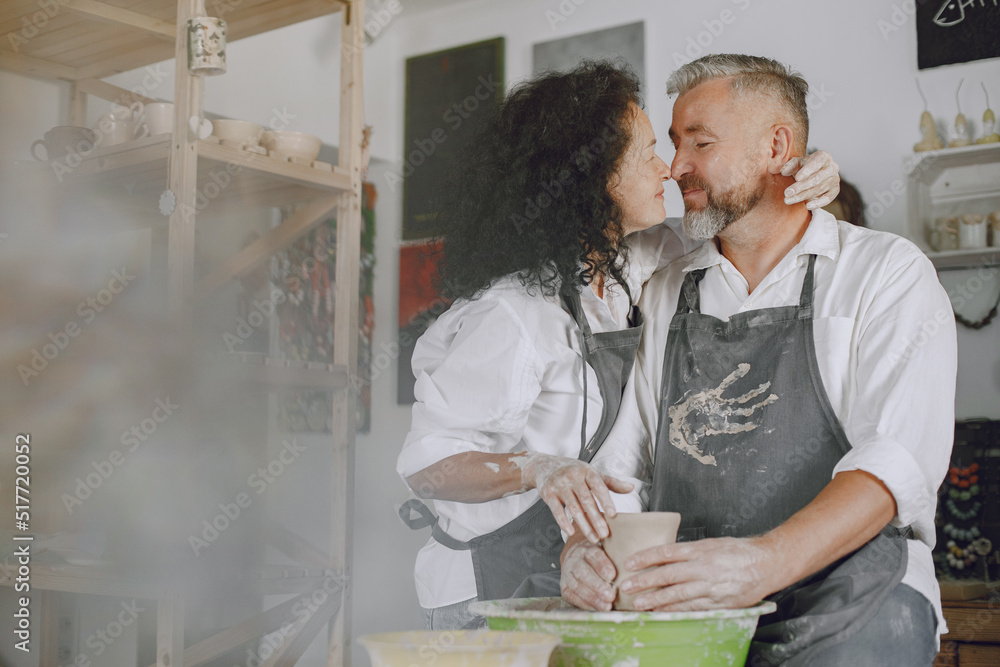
(586,577)
(817,180)
(569,487)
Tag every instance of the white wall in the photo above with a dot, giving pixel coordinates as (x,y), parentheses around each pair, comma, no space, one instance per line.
(868,121)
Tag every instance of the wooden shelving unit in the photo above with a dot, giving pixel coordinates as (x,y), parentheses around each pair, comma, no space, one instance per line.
(83,41)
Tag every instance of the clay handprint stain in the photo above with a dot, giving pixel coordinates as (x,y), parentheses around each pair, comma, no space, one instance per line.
(705,413)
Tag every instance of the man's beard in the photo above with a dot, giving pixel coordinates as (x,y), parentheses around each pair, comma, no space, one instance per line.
(721,210)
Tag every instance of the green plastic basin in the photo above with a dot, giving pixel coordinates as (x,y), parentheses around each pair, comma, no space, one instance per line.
(459,648)
(631,638)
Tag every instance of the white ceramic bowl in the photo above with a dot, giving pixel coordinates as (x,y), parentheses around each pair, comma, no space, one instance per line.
(292,144)
(237,131)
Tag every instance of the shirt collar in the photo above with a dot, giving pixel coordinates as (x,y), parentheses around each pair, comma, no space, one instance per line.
(822,237)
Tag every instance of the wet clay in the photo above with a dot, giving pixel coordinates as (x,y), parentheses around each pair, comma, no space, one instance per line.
(631,533)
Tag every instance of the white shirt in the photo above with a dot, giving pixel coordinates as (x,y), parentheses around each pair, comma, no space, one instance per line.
(886,347)
(503,373)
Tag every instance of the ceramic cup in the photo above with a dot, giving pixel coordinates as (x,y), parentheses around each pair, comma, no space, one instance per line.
(159,117)
(206,46)
(112,131)
(631,533)
(944,235)
(994,223)
(62,140)
(972,231)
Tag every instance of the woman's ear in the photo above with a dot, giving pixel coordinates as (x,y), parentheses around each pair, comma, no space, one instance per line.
(782,148)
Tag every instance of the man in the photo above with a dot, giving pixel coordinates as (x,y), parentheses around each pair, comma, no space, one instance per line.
(795,392)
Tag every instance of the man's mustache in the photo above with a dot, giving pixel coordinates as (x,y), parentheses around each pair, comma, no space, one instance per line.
(689,182)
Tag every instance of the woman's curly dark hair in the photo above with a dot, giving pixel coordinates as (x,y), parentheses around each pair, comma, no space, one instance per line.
(529,194)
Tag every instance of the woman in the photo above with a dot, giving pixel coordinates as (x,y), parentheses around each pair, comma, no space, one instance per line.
(542,333)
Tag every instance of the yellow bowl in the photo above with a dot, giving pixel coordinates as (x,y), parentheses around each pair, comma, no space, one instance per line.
(459,648)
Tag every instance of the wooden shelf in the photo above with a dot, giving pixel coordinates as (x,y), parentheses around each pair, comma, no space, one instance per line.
(270,373)
(230,180)
(81,39)
(106,578)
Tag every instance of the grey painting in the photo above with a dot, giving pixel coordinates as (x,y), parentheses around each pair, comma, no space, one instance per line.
(625,41)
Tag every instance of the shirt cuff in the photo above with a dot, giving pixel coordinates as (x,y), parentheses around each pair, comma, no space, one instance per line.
(895,467)
(420,453)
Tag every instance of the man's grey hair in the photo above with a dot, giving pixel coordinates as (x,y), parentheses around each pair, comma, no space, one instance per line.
(750,75)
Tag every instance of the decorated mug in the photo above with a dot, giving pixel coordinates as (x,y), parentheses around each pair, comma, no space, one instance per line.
(206,46)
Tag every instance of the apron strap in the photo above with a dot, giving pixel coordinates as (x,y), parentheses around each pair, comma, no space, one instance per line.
(806,296)
(689,301)
(427,518)
(571,298)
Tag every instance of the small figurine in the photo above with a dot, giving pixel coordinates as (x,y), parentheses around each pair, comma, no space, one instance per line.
(930,140)
(990,135)
(960,137)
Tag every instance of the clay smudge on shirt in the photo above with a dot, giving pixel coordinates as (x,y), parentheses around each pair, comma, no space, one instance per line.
(495,467)
(714,415)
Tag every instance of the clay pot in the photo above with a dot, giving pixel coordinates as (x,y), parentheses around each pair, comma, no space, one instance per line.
(630,534)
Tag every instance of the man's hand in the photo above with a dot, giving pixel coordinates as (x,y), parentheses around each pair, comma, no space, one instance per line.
(569,487)
(720,573)
(817,180)
(586,575)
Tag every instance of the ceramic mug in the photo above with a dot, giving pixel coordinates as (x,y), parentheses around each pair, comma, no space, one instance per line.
(206,46)
(944,235)
(159,117)
(113,130)
(972,231)
(62,140)
(632,533)
(994,223)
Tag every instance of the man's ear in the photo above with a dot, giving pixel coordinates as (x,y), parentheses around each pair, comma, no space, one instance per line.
(782,148)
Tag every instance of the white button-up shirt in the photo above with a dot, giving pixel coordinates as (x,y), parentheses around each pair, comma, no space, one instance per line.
(886,346)
(504,373)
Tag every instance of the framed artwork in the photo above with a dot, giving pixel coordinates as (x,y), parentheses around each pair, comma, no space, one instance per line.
(956,31)
(447,93)
(625,41)
(419,306)
(304,274)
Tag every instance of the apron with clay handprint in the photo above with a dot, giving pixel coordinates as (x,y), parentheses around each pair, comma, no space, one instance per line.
(746,438)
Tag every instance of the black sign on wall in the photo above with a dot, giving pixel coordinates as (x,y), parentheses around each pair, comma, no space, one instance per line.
(957,31)
(447,95)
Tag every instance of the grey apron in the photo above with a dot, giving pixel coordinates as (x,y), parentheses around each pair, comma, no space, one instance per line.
(532,543)
(746,438)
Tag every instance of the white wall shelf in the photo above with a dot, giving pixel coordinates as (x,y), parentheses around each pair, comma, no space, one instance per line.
(951,182)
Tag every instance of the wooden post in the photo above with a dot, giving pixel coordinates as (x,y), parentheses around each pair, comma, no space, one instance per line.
(183,161)
(345,322)
(170,629)
(48,637)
